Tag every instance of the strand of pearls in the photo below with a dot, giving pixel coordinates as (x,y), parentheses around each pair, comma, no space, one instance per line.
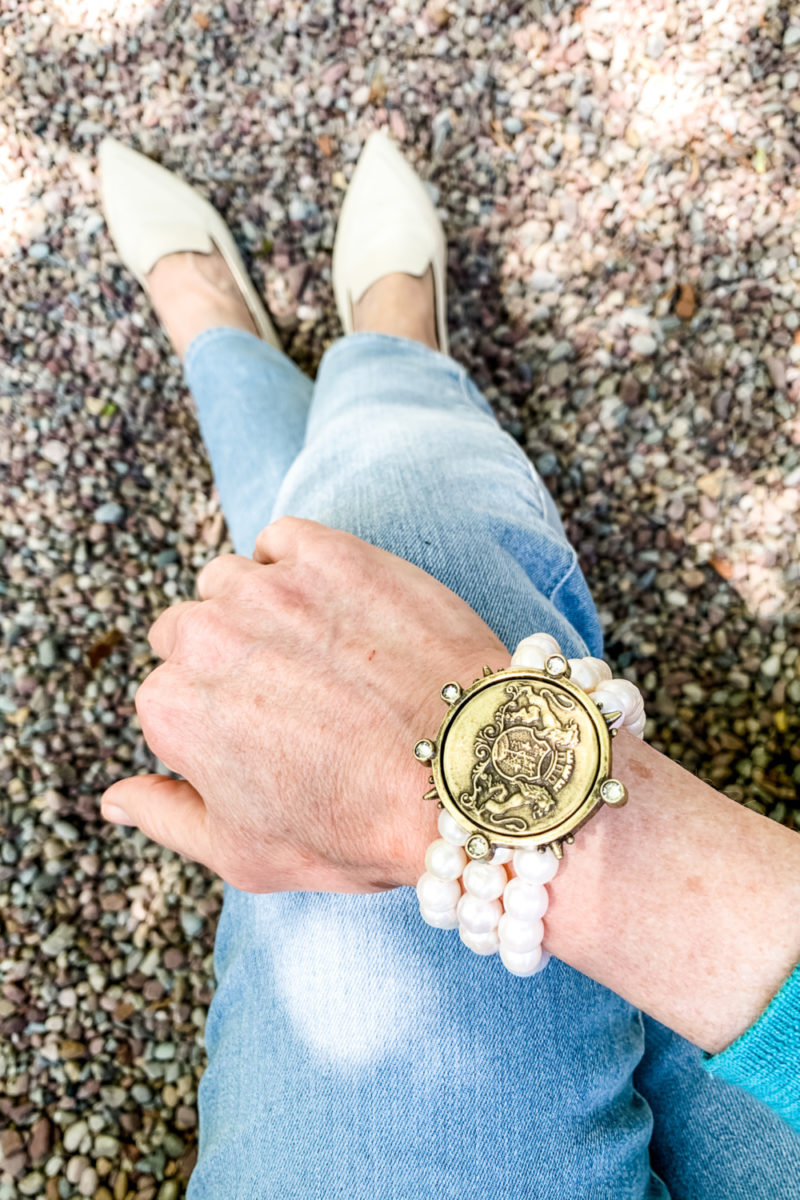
(493,912)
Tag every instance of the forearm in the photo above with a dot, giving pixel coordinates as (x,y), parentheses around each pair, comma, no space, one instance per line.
(683,902)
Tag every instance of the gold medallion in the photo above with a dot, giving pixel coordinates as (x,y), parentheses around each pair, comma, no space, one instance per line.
(521,759)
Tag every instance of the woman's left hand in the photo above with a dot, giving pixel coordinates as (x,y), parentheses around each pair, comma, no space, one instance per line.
(290,699)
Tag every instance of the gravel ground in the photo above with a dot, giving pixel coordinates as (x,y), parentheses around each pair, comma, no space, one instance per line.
(619,182)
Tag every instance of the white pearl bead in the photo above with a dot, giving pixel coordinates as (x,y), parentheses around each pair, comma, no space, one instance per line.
(502,855)
(446,919)
(521,962)
(519,935)
(479,916)
(481,943)
(534,867)
(636,727)
(525,900)
(529,656)
(444,860)
(437,894)
(450,829)
(485,880)
(624,688)
(544,641)
(583,674)
(611,702)
(600,665)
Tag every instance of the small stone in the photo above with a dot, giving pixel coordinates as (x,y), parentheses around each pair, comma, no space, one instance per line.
(87,1184)
(644,344)
(771,666)
(556,665)
(512,125)
(46,653)
(790,38)
(547,464)
(55,452)
(31,1185)
(74,1135)
(38,251)
(656,45)
(298,209)
(543,281)
(62,936)
(558,375)
(424,750)
(103,599)
(41,1140)
(191,924)
(451,692)
(75,1168)
(106,1145)
(109,513)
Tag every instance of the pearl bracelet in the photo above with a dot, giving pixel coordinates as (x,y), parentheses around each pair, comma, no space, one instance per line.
(492,912)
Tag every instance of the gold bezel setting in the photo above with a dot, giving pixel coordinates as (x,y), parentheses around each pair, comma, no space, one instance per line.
(465,762)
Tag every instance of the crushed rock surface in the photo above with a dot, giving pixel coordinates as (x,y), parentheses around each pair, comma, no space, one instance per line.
(619,184)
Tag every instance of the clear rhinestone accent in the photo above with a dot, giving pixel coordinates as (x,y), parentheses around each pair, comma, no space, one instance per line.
(424,750)
(477,846)
(612,791)
(556,665)
(451,692)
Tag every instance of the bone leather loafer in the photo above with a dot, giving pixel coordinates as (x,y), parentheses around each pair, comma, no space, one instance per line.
(151,212)
(387,224)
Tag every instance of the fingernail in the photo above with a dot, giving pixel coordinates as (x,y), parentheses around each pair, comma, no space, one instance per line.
(112,812)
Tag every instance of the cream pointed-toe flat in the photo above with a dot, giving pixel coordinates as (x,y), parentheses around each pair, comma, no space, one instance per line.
(387,224)
(151,212)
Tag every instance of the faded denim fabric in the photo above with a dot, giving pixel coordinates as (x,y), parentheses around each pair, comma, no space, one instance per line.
(354,1051)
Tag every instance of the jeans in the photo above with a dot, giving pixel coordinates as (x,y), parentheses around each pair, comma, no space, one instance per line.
(353,1050)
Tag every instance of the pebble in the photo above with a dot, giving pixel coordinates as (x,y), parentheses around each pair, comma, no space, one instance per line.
(31,1185)
(55,452)
(74,1135)
(87,1184)
(38,251)
(109,513)
(644,344)
(46,653)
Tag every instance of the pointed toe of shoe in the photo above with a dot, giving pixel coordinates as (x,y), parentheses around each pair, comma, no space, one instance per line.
(388,224)
(151,212)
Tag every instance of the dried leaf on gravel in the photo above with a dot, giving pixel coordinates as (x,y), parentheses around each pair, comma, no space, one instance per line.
(102,646)
(686,302)
(723,567)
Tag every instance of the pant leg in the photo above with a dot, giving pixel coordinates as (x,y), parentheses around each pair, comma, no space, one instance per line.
(353,1050)
(252,403)
(714,1142)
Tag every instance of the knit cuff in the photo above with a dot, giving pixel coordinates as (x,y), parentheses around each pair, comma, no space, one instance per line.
(765,1059)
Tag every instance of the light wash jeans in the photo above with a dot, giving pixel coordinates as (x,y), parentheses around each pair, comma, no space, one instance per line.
(354,1051)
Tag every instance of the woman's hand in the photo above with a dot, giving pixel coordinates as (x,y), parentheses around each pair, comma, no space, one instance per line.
(290,700)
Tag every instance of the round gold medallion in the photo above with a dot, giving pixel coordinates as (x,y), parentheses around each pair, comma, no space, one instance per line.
(521,757)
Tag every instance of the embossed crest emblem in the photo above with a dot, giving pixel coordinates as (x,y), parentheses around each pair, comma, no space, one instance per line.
(524,757)
(521,759)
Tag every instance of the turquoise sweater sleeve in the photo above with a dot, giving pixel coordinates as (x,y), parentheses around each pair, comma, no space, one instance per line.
(765,1059)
